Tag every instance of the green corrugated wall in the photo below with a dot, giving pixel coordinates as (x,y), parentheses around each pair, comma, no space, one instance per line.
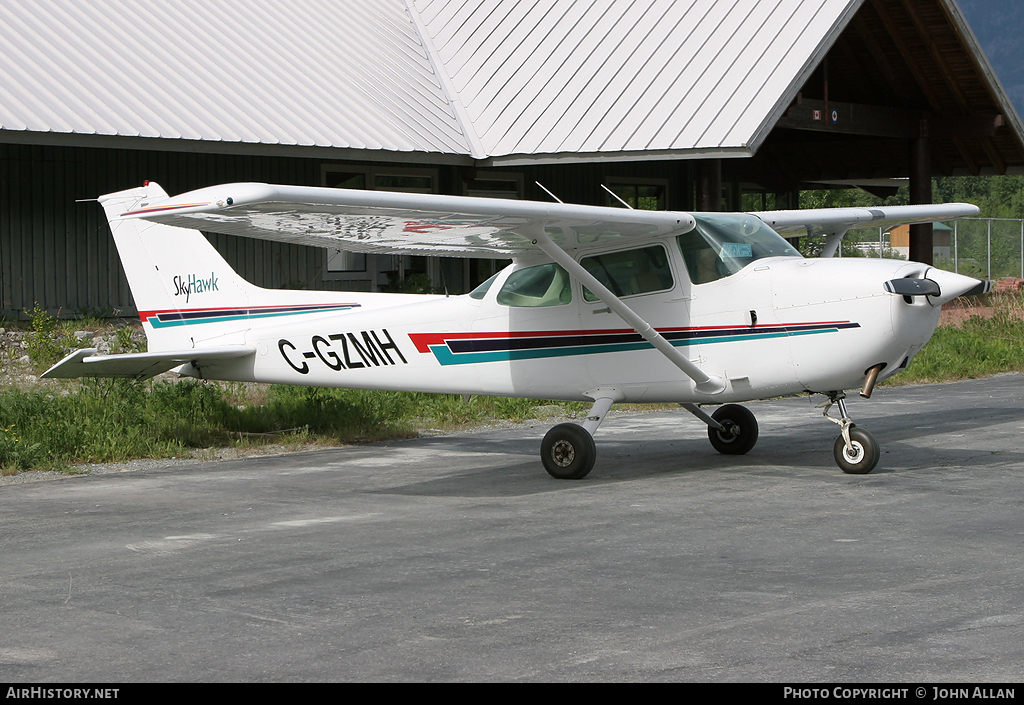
(59,253)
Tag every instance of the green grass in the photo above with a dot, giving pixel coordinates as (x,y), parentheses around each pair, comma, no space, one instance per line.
(114,420)
(980,347)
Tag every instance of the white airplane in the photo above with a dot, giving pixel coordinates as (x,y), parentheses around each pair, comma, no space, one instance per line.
(602,304)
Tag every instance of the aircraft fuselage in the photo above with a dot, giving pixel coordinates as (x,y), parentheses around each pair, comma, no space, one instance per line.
(781,325)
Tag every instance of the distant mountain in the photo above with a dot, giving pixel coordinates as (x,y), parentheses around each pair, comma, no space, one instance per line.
(999,27)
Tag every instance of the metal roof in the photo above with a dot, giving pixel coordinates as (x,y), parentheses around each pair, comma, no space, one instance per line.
(641,78)
(322,73)
(501,80)
(495,81)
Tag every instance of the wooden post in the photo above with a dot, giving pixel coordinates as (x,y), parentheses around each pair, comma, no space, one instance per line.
(921,193)
(709,185)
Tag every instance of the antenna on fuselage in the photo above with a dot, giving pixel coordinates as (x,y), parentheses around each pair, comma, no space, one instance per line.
(616,197)
(548,192)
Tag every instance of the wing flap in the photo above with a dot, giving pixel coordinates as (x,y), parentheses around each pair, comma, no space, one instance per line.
(86,363)
(386,222)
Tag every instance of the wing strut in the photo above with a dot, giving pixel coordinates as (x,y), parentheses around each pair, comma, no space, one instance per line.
(703,382)
(832,241)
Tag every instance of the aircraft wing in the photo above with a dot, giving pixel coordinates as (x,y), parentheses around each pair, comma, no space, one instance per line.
(831,221)
(386,222)
(86,363)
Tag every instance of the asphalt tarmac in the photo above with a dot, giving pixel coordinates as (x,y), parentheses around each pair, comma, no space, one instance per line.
(458,559)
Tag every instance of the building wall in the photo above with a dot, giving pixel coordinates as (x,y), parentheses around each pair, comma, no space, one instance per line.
(57,252)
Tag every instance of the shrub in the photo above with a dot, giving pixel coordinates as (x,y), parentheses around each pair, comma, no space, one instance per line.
(46,344)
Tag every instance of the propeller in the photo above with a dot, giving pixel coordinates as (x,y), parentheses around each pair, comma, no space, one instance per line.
(913,287)
(939,285)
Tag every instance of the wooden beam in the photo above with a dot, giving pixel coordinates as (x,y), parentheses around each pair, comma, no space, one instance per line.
(867,37)
(883,121)
(964,125)
(993,153)
(965,154)
(851,119)
(937,57)
(909,56)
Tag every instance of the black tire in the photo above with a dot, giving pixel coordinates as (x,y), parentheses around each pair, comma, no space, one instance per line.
(741,430)
(865,456)
(568,452)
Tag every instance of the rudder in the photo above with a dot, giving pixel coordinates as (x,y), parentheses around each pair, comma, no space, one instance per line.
(178,279)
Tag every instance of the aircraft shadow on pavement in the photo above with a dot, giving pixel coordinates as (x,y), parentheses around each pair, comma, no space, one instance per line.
(905,426)
(637,459)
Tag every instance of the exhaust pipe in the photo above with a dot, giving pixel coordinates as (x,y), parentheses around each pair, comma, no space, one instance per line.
(869,383)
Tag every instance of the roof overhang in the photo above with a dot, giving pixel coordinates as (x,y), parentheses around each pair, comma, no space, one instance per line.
(543,82)
(157,144)
(902,72)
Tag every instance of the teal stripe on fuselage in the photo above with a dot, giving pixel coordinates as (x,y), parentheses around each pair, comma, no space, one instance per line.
(447,357)
(157,323)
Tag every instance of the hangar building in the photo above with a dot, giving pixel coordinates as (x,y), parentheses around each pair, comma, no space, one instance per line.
(687,105)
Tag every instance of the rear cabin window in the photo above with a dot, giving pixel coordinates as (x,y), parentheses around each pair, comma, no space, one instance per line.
(543,285)
(721,245)
(630,272)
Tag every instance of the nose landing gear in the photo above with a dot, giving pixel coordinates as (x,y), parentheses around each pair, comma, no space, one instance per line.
(856,451)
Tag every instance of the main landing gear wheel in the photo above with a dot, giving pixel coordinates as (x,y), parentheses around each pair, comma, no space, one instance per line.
(568,452)
(740,433)
(862,457)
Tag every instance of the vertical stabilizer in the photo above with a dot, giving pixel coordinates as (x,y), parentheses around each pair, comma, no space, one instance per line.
(185,292)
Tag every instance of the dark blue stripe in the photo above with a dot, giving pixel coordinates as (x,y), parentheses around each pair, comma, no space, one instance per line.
(471,345)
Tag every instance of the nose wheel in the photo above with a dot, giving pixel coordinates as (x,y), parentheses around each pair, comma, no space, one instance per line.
(856,451)
(860,456)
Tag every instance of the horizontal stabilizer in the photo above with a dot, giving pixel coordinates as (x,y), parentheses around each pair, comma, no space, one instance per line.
(86,363)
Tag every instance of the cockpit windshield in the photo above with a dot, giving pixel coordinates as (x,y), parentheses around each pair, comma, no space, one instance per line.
(723,244)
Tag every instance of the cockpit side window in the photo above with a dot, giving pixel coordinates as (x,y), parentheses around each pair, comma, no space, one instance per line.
(630,272)
(721,245)
(543,285)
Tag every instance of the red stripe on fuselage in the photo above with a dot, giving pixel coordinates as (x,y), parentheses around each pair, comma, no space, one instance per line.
(296,308)
(423,341)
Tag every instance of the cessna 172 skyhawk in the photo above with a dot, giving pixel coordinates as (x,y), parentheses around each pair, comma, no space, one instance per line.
(602,304)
